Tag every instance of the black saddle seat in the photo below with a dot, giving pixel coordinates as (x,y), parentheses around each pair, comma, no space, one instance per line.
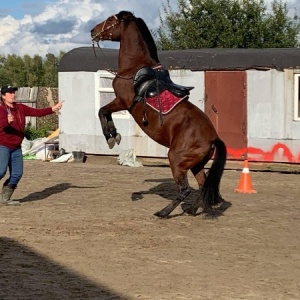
(149,82)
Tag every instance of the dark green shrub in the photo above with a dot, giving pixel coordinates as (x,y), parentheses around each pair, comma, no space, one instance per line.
(32,133)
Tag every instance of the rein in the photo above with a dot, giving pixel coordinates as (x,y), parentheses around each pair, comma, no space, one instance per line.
(100,63)
(106,68)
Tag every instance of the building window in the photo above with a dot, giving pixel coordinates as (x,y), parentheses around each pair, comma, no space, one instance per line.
(297,97)
(106,94)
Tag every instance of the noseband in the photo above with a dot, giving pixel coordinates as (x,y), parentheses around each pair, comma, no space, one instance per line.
(103,29)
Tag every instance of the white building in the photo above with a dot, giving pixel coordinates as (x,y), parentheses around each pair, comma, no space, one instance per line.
(251,96)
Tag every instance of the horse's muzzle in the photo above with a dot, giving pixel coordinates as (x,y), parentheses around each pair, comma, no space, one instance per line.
(96,36)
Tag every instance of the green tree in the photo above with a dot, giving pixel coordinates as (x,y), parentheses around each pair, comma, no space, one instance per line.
(50,78)
(14,70)
(34,69)
(30,71)
(3,71)
(227,24)
(281,30)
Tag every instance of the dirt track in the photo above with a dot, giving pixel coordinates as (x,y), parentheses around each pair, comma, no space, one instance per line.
(87,231)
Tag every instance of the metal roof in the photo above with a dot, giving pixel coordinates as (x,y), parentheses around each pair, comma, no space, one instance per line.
(84,59)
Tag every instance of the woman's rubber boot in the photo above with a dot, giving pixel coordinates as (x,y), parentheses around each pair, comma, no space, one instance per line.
(7,192)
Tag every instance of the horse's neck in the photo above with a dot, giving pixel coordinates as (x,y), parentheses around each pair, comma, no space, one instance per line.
(134,53)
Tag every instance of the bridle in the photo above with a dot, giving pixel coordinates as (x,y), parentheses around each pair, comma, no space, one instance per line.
(103,29)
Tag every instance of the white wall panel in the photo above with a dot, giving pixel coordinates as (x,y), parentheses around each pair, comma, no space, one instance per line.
(79,124)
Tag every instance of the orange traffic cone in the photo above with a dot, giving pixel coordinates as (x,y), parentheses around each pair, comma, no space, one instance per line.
(245,185)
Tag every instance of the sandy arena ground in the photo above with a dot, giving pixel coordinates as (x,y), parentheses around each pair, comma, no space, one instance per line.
(87,231)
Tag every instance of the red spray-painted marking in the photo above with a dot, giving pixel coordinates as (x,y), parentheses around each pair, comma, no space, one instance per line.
(257,154)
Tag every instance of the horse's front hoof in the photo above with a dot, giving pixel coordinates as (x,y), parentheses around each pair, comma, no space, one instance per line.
(111,143)
(118,138)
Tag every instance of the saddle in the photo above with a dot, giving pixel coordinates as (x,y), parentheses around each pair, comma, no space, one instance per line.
(149,82)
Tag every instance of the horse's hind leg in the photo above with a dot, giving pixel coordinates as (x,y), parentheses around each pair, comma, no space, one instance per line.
(183,191)
(179,172)
(199,174)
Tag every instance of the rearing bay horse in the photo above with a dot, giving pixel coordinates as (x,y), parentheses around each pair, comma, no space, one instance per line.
(186,130)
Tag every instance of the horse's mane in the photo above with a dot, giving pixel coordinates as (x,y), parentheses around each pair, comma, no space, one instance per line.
(127,16)
(148,38)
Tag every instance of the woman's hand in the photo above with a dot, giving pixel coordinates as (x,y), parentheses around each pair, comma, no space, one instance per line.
(10,118)
(57,106)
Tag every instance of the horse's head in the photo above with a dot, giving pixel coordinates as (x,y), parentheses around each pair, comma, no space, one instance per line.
(110,28)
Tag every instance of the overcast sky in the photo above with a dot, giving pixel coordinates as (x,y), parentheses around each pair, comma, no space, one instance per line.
(50,26)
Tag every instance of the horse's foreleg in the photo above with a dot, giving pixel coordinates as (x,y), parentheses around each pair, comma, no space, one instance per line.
(115,136)
(108,127)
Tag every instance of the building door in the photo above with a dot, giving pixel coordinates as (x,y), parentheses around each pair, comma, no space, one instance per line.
(225,105)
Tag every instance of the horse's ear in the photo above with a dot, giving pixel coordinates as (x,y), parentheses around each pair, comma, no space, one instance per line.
(125,16)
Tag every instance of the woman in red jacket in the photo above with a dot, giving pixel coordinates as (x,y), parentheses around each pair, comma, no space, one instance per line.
(12,126)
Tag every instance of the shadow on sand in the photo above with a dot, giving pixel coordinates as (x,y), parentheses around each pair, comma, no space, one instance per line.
(25,274)
(166,188)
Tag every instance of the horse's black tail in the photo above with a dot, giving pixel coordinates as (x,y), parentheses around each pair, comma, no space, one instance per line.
(211,187)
